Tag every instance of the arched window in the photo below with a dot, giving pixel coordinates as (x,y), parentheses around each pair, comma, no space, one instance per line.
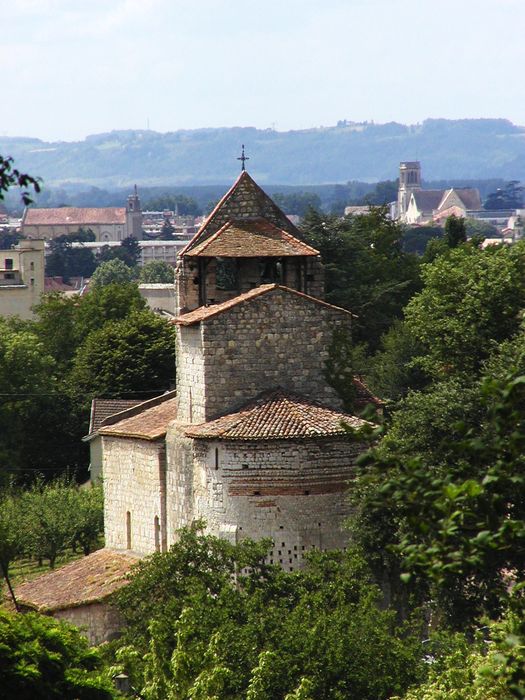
(128,530)
(156,528)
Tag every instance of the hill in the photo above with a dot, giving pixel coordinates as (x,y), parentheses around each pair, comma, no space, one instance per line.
(448,149)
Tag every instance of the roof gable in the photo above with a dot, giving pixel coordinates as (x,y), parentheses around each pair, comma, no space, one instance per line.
(244,200)
(203,313)
(427,200)
(251,238)
(277,415)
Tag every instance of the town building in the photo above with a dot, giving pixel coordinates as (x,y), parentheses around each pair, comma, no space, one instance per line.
(107,223)
(21,278)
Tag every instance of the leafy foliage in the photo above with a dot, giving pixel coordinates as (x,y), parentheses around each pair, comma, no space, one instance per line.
(471,300)
(113,271)
(157,272)
(43,659)
(510,196)
(265,635)
(12,177)
(135,354)
(365,267)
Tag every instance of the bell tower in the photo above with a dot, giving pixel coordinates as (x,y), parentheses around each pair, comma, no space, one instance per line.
(134,215)
(409,181)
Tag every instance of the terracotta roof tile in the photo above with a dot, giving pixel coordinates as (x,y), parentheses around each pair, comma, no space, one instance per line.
(85,580)
(251,239)
(73,216)
(147,421)
(245,199)
(205,312)
(364,396)
(103,408)
(276,415)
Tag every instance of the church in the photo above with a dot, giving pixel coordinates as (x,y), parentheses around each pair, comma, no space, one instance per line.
(254,439)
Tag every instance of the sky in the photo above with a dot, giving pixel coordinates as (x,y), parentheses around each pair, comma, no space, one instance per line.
(70,68)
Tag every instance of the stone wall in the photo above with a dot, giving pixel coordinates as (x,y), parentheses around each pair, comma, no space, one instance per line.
(277,339)
(134,483)
(190,374)
(99,622)
(292,491)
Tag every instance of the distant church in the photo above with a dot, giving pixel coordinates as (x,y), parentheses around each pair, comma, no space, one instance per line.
(107,223)
(253,441)
(418,206)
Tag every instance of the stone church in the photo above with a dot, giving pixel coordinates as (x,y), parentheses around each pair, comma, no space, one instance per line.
(253,441)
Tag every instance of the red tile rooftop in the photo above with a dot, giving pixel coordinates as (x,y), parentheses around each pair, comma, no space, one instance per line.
(75,216)
(103,408)
(146,421)
(277,415)
(252,239)
(85,580)
(205,312)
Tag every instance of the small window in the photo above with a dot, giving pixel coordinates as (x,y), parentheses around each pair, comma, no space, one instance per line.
(32,266)
(9,263)
(9,276)
(32,281)
(216,458)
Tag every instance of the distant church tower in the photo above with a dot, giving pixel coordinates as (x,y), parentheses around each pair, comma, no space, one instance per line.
(134,216)
(409,181)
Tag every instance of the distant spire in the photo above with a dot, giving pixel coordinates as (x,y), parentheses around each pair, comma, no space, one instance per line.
(136,190)
(243,158)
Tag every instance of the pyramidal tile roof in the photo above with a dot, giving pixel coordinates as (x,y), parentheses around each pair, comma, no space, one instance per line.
(277,415)
(205,312)
(251,238)
(244,200)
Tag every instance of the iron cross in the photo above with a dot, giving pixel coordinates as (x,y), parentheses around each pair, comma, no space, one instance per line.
(243,158)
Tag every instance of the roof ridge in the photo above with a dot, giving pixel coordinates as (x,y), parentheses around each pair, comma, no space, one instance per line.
(139,408)
(191,317)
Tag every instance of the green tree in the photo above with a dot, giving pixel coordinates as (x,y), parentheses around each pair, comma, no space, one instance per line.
(297,202)
(112,302)
(510,196)
(65,261)
(135,354)
(471,300)
(50,512)
(112,272)
(383,193)
(366,269)
(12,177)
(455,231)
(265,634)
(43,659)
(392,371)
(157,271)
(11,538)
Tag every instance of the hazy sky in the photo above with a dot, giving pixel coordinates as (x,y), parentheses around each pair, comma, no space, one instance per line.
(75,67)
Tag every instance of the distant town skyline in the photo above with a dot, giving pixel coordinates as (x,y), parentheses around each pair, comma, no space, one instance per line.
(74,69)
